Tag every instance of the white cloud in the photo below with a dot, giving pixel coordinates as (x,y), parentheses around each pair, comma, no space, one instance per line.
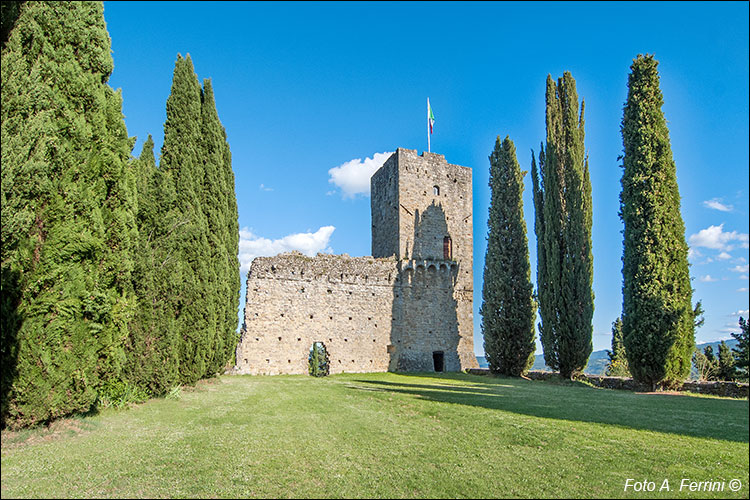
(707,279)
(715,237)
(744,277)
(252,245)
(353,177)
(263,187)
(723,256)
(741,269)
(742,289)
(694,253)
(716,204)
(741,312)
(728,328)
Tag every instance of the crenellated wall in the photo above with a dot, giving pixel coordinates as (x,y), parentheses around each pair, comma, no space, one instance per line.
(294,300)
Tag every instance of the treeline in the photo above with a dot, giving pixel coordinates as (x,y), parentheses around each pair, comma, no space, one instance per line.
(654,340)
(118,275)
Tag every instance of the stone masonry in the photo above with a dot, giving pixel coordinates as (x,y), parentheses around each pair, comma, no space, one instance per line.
(407,308)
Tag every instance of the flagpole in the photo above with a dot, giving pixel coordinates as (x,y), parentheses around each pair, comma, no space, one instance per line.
(428,124)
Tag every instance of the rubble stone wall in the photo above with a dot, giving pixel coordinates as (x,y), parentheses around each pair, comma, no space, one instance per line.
(294,300)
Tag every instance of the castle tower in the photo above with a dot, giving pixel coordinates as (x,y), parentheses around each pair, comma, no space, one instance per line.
(422,215)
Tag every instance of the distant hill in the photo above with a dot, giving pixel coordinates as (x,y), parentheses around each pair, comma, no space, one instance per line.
(598,360)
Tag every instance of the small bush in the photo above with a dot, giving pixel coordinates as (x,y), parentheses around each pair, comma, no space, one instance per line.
(120,393)
(174,393)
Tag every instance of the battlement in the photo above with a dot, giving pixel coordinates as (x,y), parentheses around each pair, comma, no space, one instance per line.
(413,153)
(325,267)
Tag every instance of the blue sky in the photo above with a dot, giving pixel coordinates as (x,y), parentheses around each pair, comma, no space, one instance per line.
(312,94)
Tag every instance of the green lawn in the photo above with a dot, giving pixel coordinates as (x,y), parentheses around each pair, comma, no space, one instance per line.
(386,435)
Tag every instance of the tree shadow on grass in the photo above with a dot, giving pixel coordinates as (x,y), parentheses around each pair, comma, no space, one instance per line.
(575,401)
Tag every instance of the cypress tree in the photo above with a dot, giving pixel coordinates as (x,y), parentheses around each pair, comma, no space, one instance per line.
(152,347)
(220,205)
(657,320)
(726,370)
(618,362)
(508,308)
(562,199)
(708,351)
(232,242)
(67,213)
(182,158)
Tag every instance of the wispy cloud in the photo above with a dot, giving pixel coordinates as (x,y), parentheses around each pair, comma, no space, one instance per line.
(743,289)
(741,269)
(252,245)
(742,312)
(716,238)
(707,279)
(353,177)
(263,187)
(728,328)
(717,204)
(723,256)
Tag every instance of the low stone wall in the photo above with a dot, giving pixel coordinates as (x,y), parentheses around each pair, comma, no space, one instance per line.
(717,388)
(728,389)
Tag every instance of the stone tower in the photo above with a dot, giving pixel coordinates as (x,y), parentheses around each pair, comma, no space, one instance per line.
(422,216)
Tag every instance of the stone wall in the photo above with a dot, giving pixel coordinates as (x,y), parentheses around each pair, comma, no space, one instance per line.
(384,209)
(716,388)
(294,300)
(373,315)
(429,316)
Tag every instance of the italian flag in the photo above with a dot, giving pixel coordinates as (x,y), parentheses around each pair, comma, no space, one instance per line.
(430,116)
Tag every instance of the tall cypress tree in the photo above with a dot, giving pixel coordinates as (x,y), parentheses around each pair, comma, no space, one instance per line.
(152,347)
(220,205)
(508,308)
(67,213)
(182,159)
(562,199)
(657,320)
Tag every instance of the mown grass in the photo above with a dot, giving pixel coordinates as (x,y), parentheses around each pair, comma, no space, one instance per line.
(386,435)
